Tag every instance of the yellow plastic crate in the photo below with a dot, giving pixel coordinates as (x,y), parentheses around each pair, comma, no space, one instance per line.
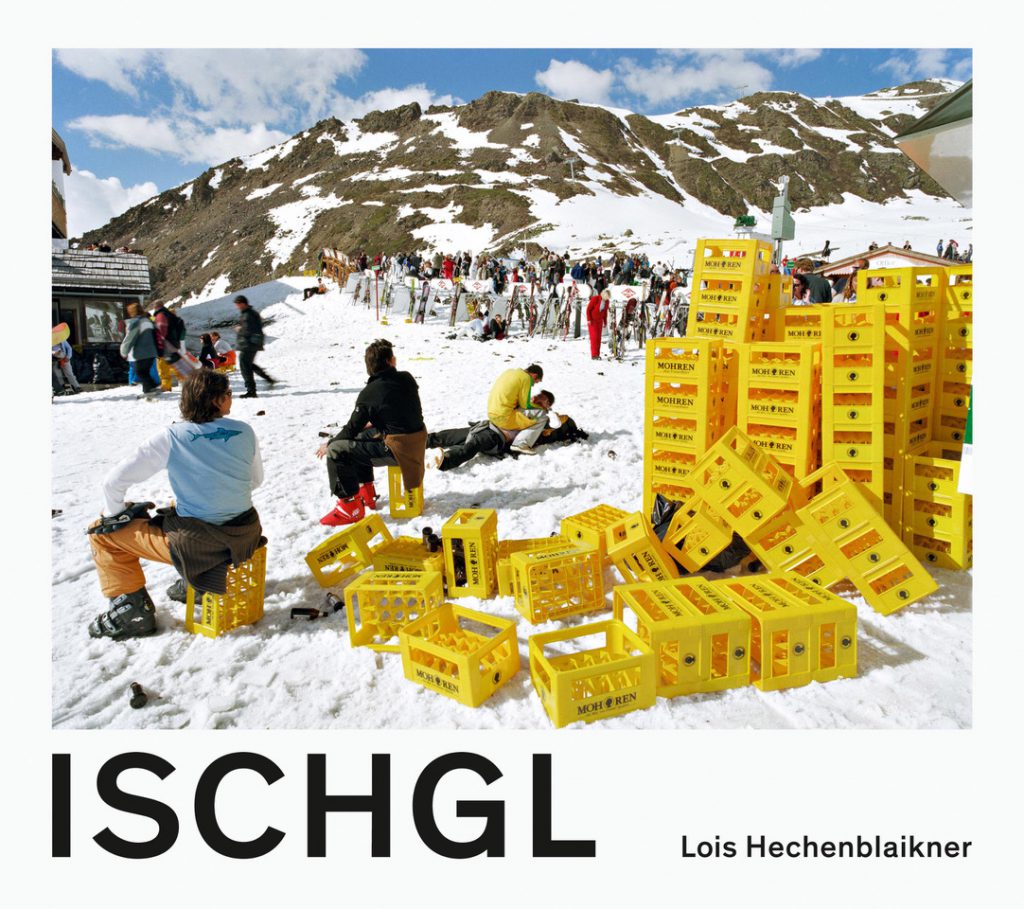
(590,526)
(853,391)
(402,502)
(701,641)
(742,483)
(556,583)
(731,258)
(636,552)
(851,532)
(503,563)
(801,632)
(801,323)
(407,554)
(786,543)
(610,679)
(240,604)
(347,552)
(461,653)
(919,286)
(938,521)
(379,604)
(696,534)
(470,538)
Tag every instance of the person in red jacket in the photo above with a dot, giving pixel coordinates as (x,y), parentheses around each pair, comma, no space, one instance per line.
(597,312)
(448,268)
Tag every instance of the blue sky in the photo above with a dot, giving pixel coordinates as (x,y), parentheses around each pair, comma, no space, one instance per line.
(138,121)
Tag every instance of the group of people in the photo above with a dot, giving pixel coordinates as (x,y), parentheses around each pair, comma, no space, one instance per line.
(154,345)
(952,251)
(214,464)
(547,270)
(386,427)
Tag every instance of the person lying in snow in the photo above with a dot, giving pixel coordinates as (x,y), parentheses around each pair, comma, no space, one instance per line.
(463,444)
(213,464)
(390,404)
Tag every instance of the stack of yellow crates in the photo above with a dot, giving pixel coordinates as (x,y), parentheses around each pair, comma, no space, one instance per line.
(956,356)
(780,402)
(687,406)
(732,299)
(913,301)
(853,392)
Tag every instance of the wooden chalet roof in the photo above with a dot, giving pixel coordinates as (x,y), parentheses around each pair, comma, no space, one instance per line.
(94,271)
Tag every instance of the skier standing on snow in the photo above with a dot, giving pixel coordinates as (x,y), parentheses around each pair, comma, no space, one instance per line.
(386,428)
(213,464)
(249,342)
(597,313)
(65,375)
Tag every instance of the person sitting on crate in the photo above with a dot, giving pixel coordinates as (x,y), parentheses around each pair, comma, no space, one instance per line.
(213,464)
(389,404)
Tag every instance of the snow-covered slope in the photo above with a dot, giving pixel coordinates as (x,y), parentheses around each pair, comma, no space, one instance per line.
(915,666)
(510,170)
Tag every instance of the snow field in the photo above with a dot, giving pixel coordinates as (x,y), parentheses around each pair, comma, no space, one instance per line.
(915,666)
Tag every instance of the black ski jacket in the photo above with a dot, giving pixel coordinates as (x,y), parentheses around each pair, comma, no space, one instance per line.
(250,330)
(390,401)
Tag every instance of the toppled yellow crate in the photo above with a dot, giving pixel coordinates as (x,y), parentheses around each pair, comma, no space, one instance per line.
(700,639)
(379,604)
(744,485)
(347,552)
(556,583)
(696,534)
(460,653)
(590,526)
(851,533)
(592,672)
(407,554)
(636,552)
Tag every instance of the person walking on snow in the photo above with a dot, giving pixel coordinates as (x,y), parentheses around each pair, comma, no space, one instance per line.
(597,312)
(386,428)
(213,464)
(139,347)
(249,342)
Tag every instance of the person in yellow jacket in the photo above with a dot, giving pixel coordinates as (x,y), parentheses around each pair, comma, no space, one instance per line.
(512,409)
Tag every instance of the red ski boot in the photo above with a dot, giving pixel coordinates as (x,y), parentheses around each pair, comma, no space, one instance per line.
(347,511)
(369,495)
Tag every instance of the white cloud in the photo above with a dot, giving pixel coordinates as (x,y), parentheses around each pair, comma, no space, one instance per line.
(707,72)
(572,79)
(926,63)
(793,56)
(188,141)
(345,108)
(226,103)
(227,86)
(92,201)
(117,68)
